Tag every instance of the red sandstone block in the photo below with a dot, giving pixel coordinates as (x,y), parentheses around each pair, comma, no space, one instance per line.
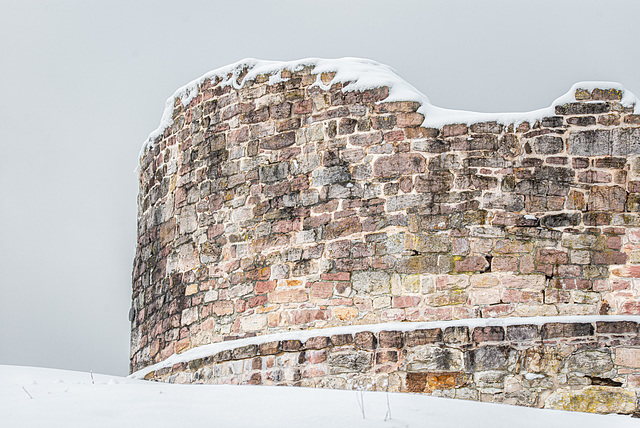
(303,107)
(346,227)
(601,285)
(265,286)
(397,106)
(620,284)
(321,290)
(630,307)
(471,264)
(406,120)
(313,372)
(498,310)
(418,133)
(318,342)
(239,135)
(257,300)
(488,334)
(569,271)
(285,226)
(406,301)
(521,296)
(614,242)
(316,221)
(393,136)
(288,296)
(454,129)
(609,258)
(553,257)
(315,357)
(240,305)
(339,276)
(305,316)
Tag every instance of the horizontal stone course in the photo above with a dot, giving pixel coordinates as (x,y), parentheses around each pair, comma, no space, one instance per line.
(444,362)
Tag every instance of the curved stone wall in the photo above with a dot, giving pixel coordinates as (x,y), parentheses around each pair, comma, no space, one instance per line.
(587,365)
(290,201)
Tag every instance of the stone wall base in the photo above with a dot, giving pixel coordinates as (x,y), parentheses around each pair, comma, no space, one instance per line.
(578,366)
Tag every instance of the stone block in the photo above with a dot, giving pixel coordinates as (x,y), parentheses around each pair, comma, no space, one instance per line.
(472,264)
(456,335)
(628,357)
(489,357)
(590,362)
(349,362)
(243,352)
(291,345)
(548,144)
(523,333)
(278,141)
(488,334)
(582,108)
(617,327)
(318,342)
(422,337)
(341,339)
(593,399)
(365,340)
(390,339)
(371,282)
(421,382)
(427,358)
(398,165)
(559,330)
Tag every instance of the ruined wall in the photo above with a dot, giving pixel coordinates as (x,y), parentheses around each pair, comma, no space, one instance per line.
(275,205)
(579,366)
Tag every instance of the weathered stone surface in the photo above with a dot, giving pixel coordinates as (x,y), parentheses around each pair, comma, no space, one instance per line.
(273,207)
(349,362)
(429,382)
(489,357)
(548,145)
(590,362)
(400,164)
(593,399)
(429,358)
(582,108)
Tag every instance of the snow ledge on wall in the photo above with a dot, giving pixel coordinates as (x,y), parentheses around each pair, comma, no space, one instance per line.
(362,74)
(303,335)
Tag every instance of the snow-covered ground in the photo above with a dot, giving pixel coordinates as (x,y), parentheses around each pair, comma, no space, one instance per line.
(37,397)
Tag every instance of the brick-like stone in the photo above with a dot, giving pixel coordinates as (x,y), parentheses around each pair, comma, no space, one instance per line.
(390,339)
(558,330)
(399,164)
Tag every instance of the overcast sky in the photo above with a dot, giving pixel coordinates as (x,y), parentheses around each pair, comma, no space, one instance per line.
(82,83)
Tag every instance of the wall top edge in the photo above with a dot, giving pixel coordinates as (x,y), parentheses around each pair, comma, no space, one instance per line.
(363,74)
(303,335)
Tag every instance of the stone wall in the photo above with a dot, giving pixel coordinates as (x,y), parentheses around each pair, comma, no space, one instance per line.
(586,366)
(267,207)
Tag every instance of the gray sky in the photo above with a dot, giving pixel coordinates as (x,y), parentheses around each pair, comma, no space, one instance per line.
(82,83)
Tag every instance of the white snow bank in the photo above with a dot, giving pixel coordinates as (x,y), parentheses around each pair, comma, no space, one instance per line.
(363,74)
(29,399)
(303,335)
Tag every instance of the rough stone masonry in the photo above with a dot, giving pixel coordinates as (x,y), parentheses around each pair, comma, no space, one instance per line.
(267,207)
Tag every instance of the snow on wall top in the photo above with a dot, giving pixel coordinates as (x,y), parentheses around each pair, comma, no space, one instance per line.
(362,74)
(204,351)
